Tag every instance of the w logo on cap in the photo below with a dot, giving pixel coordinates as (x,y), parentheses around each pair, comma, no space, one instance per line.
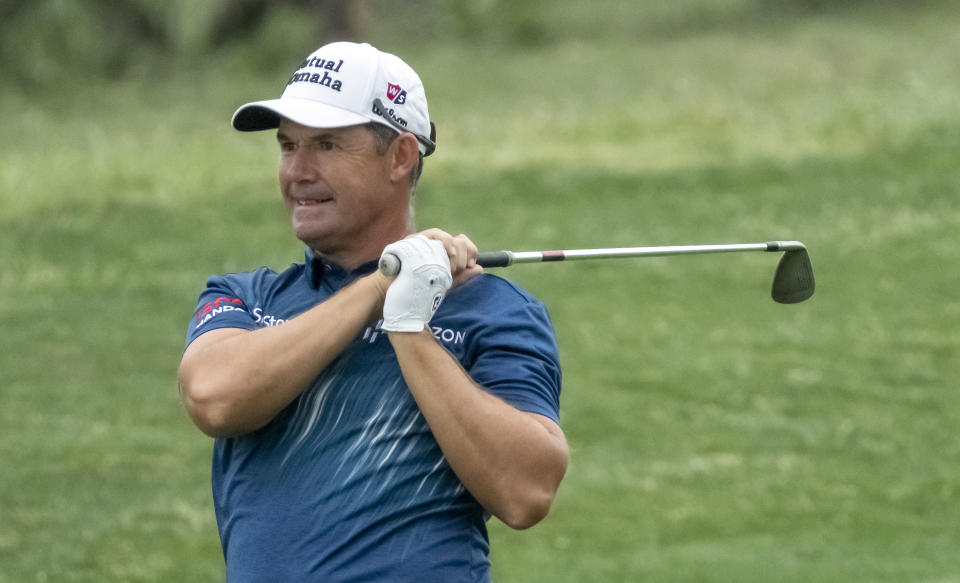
(396,94)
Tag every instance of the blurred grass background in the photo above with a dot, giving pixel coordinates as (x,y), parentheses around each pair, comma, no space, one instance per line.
(716,436)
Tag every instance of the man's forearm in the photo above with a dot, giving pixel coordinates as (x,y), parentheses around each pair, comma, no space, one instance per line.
(512,462)
(235,381)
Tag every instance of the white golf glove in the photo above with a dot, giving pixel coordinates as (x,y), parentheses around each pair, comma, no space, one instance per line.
(423,281)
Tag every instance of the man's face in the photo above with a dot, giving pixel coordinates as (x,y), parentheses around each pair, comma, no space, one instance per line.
(335,185)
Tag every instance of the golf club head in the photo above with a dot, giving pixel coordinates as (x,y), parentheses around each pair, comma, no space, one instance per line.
(793,282)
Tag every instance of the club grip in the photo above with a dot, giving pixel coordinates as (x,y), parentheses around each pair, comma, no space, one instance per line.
(494,259)
(390,263)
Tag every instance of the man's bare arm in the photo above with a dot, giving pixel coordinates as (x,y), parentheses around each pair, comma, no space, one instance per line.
(233,381)
(511,461)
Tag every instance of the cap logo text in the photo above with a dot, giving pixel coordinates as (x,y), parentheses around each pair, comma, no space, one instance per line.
(391,113)
(319,63)
(396,94)
(326,80)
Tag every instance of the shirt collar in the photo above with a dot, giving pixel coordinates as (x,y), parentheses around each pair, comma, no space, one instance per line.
(319,271)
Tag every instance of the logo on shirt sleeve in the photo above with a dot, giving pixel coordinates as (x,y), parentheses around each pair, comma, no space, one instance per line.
(212,309)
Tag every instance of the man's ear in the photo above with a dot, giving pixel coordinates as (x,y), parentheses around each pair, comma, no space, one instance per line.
(405,155)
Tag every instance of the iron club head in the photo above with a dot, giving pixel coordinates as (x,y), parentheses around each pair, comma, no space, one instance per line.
(793,281)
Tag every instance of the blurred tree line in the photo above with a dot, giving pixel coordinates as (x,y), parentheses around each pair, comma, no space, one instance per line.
(110,38)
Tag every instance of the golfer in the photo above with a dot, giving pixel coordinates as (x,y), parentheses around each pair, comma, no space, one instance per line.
(368,426)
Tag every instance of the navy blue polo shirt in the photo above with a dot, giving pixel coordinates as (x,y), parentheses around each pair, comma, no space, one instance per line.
(347,483)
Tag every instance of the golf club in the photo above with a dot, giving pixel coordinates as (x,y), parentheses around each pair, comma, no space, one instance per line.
(792,282)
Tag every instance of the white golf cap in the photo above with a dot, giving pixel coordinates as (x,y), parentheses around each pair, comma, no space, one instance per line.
(343,84)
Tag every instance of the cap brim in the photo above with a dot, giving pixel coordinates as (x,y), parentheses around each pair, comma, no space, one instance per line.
(265,115)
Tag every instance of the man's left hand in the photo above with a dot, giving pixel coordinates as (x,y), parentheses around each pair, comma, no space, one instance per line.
(423,281)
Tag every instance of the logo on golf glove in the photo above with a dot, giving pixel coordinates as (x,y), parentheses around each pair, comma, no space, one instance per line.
(421,285)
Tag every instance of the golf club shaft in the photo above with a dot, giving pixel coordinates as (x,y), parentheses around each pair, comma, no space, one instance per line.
(508,258)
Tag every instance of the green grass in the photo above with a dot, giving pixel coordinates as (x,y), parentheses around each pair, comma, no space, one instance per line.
(716,435)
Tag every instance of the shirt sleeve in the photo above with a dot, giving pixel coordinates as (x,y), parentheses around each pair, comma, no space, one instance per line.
(517,360)
(223,304)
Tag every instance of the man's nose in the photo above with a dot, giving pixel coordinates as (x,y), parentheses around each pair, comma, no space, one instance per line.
(299,166)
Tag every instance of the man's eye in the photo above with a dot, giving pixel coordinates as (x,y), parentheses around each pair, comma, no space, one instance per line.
(286,146)
(325,146)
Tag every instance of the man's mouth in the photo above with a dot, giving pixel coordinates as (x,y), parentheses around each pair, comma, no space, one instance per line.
(312,201)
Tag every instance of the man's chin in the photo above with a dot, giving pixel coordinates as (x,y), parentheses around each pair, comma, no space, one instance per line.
(316,239)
